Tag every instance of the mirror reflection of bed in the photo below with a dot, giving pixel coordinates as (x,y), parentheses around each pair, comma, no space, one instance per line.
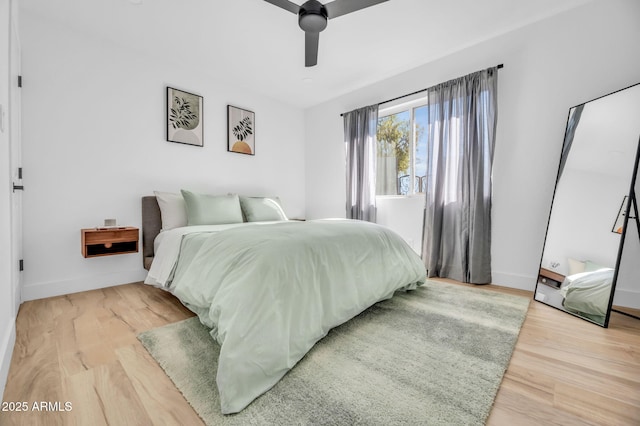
(579,268)
(585,291)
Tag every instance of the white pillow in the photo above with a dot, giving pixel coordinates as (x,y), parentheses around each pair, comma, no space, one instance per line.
(576,266)
(173,210)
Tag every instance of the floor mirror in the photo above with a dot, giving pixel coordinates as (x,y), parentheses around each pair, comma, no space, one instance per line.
(591,258)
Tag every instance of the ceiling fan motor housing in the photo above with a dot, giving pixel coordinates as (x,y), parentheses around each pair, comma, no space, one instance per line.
(312,17)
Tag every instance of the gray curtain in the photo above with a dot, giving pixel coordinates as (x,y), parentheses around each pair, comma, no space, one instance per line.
(360,128)
(572,125)
(462,115)
(386,175)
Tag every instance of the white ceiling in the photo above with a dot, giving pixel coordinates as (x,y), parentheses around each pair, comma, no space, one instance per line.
(256,45)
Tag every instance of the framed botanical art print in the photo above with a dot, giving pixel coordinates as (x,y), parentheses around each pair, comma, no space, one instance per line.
(241,130)
(184,117)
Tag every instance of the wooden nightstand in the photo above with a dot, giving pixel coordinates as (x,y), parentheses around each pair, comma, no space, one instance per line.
(550,278)
(109,241)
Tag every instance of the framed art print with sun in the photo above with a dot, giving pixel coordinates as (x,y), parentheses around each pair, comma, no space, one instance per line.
(241,130)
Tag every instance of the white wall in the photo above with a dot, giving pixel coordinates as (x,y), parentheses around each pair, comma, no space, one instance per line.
(405,215)
(94,143)
(550,66)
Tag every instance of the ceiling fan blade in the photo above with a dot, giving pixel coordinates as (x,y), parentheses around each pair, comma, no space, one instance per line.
(286,5)
(342,7)
(311,41)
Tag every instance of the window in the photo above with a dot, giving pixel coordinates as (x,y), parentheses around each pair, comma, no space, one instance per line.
(402,151)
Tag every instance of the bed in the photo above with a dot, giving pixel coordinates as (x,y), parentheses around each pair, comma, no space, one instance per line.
(587,293)
(270,289)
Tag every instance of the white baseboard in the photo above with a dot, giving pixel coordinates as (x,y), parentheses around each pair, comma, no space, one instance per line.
(58,288)
(627,298)
(521,282)
(7,342)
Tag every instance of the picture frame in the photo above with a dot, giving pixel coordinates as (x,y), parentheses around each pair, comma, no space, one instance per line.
(619,223)
(184,117)
(241,130)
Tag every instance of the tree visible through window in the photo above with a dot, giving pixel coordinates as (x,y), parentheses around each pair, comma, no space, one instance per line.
(402,149)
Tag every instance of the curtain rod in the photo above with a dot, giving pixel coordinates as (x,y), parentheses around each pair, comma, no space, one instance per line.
(413,93)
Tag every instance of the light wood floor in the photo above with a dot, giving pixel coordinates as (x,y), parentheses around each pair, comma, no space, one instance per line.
(82,349)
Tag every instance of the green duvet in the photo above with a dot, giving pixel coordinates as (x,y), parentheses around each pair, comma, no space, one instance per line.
(270,292)
(587,293)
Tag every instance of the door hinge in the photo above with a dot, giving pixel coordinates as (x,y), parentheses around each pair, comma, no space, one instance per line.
(19,81)
(21,265)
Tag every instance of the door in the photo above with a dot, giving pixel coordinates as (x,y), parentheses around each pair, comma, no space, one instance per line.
(15,126)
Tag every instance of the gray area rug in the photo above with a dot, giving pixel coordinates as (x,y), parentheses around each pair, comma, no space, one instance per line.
(432,356)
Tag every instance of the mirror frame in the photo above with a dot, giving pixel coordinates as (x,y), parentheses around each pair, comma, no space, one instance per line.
(632,201)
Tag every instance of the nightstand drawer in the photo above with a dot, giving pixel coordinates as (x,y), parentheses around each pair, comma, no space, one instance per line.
(550,278)
(105,242)
(549,281)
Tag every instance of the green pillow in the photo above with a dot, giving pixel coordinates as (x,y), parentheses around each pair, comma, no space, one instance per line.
(590,266)
(204,209)
(261,209)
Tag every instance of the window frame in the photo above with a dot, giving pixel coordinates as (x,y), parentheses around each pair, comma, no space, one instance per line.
(406,105)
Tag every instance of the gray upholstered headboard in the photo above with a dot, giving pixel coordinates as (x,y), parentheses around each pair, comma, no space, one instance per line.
(151,225)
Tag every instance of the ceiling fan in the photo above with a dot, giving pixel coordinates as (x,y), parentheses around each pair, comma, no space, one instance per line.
(313,16)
